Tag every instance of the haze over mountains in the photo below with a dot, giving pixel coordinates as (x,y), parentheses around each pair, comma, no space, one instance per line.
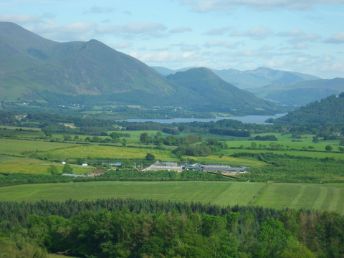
(301,93)
(34,68)
(283,87)
(203,89)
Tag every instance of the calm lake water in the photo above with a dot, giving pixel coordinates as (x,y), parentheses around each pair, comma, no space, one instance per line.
(253,119)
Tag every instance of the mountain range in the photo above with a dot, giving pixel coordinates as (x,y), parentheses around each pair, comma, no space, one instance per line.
(282,87)
(192,88)
(250,79)
(301,93)
(33,68)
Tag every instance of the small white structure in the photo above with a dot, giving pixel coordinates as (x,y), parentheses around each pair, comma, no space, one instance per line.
(164,166)
(63,162)
(84,165)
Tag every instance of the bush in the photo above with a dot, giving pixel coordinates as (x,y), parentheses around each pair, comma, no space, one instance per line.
(53,170)
(67,169)
(328,148)
(150,157)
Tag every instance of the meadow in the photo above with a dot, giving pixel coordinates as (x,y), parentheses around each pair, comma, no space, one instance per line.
(324,197)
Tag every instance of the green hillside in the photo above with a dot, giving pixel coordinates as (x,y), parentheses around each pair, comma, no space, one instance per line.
(329,111)
(33,67)
(200,88)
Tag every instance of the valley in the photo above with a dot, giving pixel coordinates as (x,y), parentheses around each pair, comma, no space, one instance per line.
(110,148)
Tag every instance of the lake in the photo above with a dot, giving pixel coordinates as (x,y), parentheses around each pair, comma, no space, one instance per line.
(253,119)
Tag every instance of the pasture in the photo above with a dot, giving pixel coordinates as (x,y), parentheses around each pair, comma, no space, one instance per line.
(34,166)
(324,197)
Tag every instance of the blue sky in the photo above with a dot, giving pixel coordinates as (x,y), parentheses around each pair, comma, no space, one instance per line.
(298,35)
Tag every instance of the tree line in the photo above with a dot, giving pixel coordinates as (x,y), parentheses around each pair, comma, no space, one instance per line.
(133,228)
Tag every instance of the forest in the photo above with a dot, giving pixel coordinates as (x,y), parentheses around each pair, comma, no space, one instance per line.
(128,228)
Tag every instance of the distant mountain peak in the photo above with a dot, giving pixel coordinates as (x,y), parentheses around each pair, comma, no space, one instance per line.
(92,73)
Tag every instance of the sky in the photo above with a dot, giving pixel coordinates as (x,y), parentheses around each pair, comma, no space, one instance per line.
(296,35)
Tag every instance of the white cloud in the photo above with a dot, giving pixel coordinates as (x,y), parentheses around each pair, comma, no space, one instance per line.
(180,30)
(66,32)
(136,28)
(224,5)
(222,44)
(165,56)
(22,19)
(254,33)
(99,10)
(218,31)
(299,35)
(336,39)
(182,46)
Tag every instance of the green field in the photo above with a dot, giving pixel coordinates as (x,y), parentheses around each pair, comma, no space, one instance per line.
(326,197)
(34,166)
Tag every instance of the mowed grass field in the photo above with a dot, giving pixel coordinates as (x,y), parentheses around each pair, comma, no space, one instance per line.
(325,197)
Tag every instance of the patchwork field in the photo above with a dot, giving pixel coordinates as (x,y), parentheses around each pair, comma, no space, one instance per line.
(326,197)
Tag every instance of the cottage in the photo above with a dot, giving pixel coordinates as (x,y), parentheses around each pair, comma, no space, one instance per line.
(84,165)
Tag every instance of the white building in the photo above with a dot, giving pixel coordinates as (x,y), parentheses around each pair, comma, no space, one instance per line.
(164,166)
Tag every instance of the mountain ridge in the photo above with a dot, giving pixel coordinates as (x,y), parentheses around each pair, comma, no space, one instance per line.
(37,69)
(251,79)
(301,93)
(194,81)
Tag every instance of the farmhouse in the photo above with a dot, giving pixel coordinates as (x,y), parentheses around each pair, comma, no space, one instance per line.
(164,166)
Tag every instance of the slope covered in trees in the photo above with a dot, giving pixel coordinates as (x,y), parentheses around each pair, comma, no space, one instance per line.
(130,228)
(329,111)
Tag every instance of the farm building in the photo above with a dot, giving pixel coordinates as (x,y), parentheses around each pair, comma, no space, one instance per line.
(164,166)
(116,164)
(214,168)
(193,167)
(223,168)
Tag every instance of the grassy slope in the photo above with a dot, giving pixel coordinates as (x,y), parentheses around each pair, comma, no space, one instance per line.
(326,197)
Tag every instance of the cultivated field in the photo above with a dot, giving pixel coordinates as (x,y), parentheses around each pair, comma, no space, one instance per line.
(325,197)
